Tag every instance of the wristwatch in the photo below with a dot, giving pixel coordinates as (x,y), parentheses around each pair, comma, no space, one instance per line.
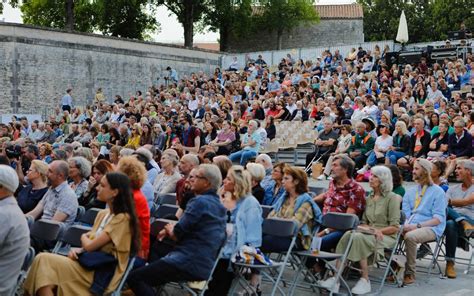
(326,231)
(418,225)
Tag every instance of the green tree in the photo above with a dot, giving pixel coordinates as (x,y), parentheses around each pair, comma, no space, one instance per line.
(428,20)
(188,13)
(228,17)
(284,15)
(56,14)
(125,18)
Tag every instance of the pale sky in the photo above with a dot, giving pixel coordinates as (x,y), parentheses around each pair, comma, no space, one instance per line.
(171,29)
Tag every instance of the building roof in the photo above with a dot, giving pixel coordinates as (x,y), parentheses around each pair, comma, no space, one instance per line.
(337,11)
(346,11)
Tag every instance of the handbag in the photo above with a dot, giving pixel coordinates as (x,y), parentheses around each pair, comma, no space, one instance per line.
(95,260)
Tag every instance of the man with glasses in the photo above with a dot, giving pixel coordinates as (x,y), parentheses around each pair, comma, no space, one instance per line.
(459,145)
(197,238)
(59,203)
(325,144)
(460,212)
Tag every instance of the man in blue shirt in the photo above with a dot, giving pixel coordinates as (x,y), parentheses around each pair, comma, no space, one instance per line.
(66,101)
(425,208)
(198,235)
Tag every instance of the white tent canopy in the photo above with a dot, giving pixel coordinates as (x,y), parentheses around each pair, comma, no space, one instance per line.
(402,34)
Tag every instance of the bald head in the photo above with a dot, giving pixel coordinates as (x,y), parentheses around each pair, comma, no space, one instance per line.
(187,163)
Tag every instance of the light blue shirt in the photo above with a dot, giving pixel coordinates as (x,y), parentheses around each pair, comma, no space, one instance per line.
(66,100)
(273,86)
(148,191)
(247,220)
(255,137)
(433,205)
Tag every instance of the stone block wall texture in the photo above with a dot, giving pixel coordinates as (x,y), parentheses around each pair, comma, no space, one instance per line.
(38,65)
(328,32)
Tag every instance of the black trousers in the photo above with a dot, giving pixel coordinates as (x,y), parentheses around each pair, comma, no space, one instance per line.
(157,272)
(221,279)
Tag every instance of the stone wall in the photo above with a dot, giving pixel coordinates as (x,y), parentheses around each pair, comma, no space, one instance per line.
(38,65)
(329,32)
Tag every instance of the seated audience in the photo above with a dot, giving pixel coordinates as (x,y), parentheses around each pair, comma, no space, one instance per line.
(257,173)
(30,195)
(14,233)
(460,219)
(276,188)
(89,197)
(79,172)
(115,232)
(250,145)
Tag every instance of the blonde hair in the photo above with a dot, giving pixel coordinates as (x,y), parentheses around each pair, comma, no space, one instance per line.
(256,171)
(242,184)
(41,168)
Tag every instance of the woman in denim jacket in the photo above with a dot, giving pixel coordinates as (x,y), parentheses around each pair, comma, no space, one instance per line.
(244,225)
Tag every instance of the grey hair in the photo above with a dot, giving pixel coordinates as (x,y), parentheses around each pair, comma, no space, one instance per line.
(467,164)
(346,163)
(403,126)
(212,173)
(384,174)
(84,152)
(266,159)
(126,152)
(83,165)
(62,168)
(193,159)
(257,171)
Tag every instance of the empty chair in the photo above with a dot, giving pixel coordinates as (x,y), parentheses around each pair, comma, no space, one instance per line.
(71,238)
(89,216)
(283,228)
(165,210)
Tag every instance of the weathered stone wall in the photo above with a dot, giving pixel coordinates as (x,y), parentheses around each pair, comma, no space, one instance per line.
(38,65)
(329,32)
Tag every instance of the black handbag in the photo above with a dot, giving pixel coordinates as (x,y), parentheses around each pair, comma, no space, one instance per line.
(95,260)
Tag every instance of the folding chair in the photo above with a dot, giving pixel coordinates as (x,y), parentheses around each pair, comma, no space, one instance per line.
(71,238)
(47,230)
(88,218)
(471,244)
(165,210)
(265,211)
(123,280)
(276,227)
(337,221)
(157,225)
(80,212)
(30,255)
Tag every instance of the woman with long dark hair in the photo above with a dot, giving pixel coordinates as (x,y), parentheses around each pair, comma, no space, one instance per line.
(115,232)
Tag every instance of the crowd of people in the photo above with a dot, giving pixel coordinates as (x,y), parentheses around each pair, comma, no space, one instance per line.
(200,137)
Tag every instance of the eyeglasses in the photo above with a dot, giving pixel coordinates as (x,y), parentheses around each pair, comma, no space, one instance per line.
(197,177)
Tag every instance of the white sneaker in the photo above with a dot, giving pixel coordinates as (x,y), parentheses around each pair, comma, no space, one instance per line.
(362,287)
(330,284)
(363,170)
(329,178)
(321,177)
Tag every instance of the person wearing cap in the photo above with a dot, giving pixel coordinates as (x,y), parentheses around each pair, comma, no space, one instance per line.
(361,144)
(14,233)
(382,146)
(424,206)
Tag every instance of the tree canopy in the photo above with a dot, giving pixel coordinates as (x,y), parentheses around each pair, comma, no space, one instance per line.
(428,20)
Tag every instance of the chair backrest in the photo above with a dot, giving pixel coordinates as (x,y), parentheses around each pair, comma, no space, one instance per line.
(340,221)
(30,255)
(167,199)
(72,236)
(80,212)
(265,211)
(157,225)
(317,190)
(117,291)
(165,210)
(403,217)
(48,230)
(89,216)
(280,227)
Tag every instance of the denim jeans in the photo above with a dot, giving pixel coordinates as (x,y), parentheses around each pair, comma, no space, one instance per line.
(393,156)
(243,156)
(453,232)
(372,159)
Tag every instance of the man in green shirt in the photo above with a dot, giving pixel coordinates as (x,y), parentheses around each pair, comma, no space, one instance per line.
(361,144)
